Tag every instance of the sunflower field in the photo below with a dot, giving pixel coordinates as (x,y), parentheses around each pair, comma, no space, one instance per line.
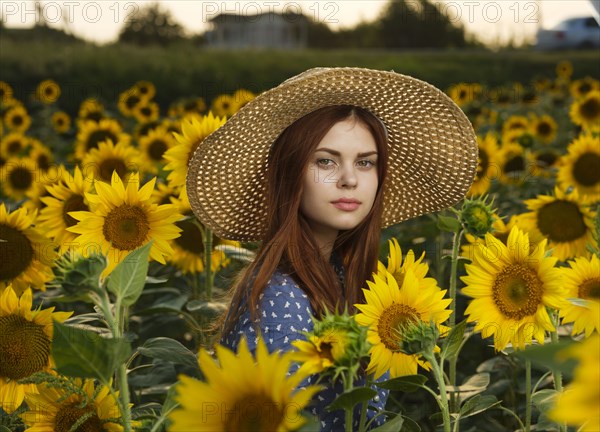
(485,316)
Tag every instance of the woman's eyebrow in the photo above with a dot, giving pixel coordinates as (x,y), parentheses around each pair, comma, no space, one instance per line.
(337,153)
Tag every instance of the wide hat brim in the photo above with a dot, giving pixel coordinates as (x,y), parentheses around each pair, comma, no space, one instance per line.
(432,147)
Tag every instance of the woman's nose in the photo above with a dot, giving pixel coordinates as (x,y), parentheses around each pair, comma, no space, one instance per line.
(347,177)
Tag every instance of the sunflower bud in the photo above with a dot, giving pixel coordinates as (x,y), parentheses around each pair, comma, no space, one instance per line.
(419,338)
(477,216)
(76,275)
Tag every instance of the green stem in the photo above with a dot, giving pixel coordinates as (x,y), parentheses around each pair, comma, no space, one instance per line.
(527,395)
(347,377)
(208,275)
(452,320)
(556,374)
(443,396)
(514,415)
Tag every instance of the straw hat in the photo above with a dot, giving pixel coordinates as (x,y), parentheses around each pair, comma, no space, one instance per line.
(432,147)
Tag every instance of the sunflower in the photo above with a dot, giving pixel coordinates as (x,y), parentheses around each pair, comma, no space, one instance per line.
(195,129)
(48,91)
(153,146)
(19,178)
(164,193)
(92,110)
(41,155)
(25,341)
(564,69)
(26,255)
(188,248)
(581,87)
(17,119)
(244,393)
(65,196)
(223,106)
(39,191)
(6,92)
(544,163)
(513,163)
(397,267)
(320,352)
(92,133)
(388,308)
(487,167)
(61,121)
(582,281)
(579,167)
(14,144)
(146,112)
(585,112)
(463,93)
(564,220)
(187,106)
(515,122)
(544,128)
(58,409)
(145,88)
(99,163)
(241,97)
(512,285)
(125,218)
(579,404)
(128,100)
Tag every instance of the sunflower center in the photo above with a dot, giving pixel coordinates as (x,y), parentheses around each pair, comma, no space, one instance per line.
(126,227)
(157,149)
(146,111)
(68,415)
(43,162)
(484,162)
(17,120)
(16,252)
(547,159)
(95,116)
(514,164)
(21,178)
(99,136)
(585,169)
(108,165)
(14,147)
(561,221)
(517,291)
(24,346)
(326,350)
(584,88)
(390,322)
(190,238)
(544,129)
(590,289)
(73,203)
(254,413)
(590,109)
(132,101)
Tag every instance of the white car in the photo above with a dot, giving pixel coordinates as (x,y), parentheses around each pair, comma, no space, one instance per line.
(574,33)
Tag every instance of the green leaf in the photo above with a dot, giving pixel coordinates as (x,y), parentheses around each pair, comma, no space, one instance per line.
(548,356)
(349,399)
(478,404)
(449,224)
(85,354)
(544,399)
(407,383)
(168,349)
(128,278)
(451,344)
(392,425)
(206,308)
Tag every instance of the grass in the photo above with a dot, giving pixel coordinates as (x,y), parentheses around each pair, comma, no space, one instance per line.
(185,70)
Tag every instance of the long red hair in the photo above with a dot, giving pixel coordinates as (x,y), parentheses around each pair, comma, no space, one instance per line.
(288,242)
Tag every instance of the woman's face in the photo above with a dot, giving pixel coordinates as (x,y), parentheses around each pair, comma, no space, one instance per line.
(340,184)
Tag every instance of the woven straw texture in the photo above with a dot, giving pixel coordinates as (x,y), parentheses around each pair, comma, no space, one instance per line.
(432,147)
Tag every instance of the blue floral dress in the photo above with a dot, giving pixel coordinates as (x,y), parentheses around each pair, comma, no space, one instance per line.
(285,312)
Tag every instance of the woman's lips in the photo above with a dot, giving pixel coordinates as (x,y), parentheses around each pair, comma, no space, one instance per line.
(346,204)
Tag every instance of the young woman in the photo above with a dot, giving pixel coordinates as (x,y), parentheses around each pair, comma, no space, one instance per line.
(314,168)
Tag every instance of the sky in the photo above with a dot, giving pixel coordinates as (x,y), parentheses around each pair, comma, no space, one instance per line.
(492,22)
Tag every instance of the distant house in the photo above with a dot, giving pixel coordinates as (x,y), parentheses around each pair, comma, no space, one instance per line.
(265,30)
